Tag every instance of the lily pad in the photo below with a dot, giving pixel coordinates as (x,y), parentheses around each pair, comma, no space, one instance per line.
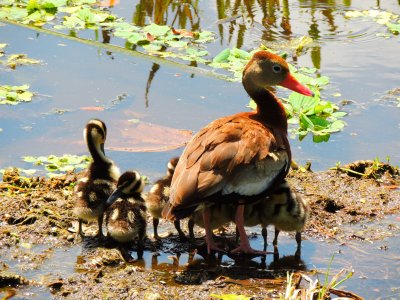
(13,95)
(59,164)
(140,136)
(15,60)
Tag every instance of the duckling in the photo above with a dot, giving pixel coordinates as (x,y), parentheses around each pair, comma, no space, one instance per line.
(126,211)
(287,211)
(219,214)
(158,197)
(283,208)
(100,178)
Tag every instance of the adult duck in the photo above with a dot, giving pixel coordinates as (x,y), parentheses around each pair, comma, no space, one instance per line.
(239,158)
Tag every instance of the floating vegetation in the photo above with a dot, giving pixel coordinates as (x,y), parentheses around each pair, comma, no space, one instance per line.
(15,60)
(2,46)
(390,20)
(14,95)
(81,15)
(313,115)
(57,165)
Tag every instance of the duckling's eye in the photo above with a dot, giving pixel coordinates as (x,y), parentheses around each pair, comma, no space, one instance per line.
(276,68)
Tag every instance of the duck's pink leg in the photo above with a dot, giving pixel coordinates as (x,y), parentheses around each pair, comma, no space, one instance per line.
(211,245)
(244,246)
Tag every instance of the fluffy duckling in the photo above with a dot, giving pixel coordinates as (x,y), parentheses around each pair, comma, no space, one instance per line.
(99,180)
(286,210)
(220,214)
(158,197)
(126,211)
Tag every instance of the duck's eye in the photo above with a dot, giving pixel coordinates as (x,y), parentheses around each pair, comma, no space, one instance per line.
(276,68)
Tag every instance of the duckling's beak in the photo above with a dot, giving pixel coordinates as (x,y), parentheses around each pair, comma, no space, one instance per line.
(291,83)
(113,197)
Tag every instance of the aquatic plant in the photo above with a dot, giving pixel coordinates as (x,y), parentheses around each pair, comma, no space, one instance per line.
(57,165)
(317,291)
(389,19)
(14,95)
(312,116)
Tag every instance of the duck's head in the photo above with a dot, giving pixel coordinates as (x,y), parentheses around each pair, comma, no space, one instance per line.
(171,166)
(95,133)
(266,69)
(128,183)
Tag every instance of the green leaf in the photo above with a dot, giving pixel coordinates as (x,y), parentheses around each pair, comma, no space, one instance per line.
(152,47)
(308,70)
(394,28)
(222,56)
(204,37)
(301,103)
(195,52)
(13,13)
(157,30)
(321,138)
(323,80)
(134,38)
(306,122)
(177,44)
(240,53)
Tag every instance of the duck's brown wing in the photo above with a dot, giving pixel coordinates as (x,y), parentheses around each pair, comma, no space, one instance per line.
(220,158)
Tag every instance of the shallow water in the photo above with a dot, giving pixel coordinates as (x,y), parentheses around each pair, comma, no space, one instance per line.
(375,264)
(361,65)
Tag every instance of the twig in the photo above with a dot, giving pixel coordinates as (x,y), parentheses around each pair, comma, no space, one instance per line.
(343,293)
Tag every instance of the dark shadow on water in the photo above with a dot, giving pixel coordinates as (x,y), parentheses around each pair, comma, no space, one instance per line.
(189,263)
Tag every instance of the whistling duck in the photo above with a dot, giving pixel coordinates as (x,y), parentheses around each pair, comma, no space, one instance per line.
(100,178)
(239,158)
(158,197)
(126,211)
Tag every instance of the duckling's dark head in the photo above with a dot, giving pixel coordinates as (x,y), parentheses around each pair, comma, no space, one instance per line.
(130,182)
(172,165)
(95,134)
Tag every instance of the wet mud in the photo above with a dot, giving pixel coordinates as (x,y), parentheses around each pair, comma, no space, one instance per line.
(36,220)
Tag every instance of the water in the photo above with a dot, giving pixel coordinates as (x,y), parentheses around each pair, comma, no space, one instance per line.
(361,65)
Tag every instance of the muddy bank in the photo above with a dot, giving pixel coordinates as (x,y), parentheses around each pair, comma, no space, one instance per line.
(38,211)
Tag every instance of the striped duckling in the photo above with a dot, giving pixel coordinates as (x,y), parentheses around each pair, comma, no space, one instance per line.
(158,197)
(126,211)
(286,210)
(100,178)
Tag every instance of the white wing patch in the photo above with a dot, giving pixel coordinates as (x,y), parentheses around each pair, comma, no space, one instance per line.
(255,178)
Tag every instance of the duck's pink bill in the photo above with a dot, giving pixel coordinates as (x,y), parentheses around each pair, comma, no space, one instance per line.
(291,83)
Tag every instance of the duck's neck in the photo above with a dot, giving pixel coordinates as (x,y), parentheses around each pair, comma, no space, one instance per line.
(96,152)
(269,108)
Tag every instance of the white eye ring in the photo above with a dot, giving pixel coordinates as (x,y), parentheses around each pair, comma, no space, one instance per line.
(276,68)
